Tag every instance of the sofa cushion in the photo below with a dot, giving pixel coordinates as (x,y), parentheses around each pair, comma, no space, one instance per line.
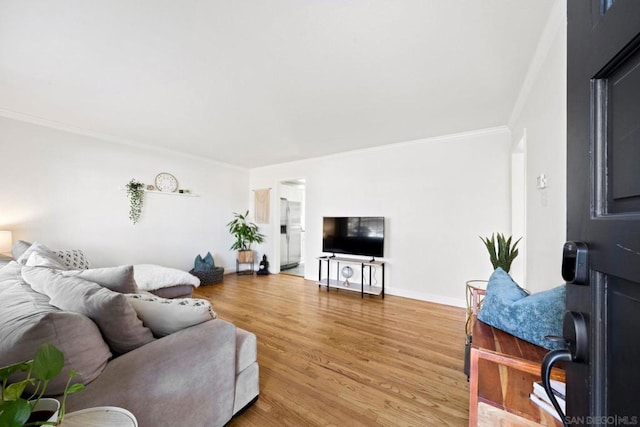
(111,311)
(118,279)
(28,320)
(74,259)
(508,307)
(166,316)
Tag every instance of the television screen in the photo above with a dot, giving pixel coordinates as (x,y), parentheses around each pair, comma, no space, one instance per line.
(353,235)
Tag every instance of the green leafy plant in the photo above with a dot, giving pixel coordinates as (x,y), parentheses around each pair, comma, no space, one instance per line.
(46,365)
(135,192)
(245,232)
(501,252)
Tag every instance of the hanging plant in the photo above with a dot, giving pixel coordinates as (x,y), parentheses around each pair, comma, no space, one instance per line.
(135,192)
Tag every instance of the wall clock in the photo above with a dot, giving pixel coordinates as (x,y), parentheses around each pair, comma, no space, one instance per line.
(166,182)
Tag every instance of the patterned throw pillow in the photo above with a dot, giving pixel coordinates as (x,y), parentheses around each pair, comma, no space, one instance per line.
(166,316)
(74,259)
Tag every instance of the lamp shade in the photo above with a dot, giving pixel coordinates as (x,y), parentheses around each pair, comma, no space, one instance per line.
(6,241)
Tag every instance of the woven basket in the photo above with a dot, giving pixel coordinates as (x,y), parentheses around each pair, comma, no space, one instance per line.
(209,277)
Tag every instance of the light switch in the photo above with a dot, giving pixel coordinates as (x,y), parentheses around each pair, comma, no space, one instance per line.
(541,181)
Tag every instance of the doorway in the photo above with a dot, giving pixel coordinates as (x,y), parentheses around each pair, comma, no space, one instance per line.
(292,226)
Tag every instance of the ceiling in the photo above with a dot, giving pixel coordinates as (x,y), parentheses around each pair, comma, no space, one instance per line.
(256,82)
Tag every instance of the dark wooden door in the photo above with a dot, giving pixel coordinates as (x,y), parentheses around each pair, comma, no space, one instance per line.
(603,206)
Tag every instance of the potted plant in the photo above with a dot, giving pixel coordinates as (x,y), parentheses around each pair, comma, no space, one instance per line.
(135,192)
(246,233)
(501,253)
(18,411)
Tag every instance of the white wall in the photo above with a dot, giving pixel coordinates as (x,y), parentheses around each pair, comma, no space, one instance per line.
(438,195)
(62,189)
(541,115)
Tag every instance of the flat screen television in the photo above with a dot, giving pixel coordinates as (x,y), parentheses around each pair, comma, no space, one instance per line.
(361,235)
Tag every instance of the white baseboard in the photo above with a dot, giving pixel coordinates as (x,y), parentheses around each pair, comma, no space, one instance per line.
(421,296)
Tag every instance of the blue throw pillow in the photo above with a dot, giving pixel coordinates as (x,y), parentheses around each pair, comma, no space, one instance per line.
(508,307)
(205,263)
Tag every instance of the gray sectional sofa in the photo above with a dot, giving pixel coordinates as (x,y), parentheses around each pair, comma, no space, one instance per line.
(200,375)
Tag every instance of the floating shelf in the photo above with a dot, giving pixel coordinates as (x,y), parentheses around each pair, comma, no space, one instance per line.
(175,193)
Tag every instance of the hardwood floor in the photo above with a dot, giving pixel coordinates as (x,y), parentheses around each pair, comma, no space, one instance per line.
(334,359)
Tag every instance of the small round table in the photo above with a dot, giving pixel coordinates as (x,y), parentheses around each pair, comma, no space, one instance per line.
(101,416)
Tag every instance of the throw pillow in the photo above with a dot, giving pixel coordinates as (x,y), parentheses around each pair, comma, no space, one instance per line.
(111,311)
(150,277)
(166,316)
(38,260)
(45,254)
(118,279)
(74,259)
(205,263)
(29,320)
(508,307)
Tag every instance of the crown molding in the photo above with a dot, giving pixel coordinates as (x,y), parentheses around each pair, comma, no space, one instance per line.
(52,124)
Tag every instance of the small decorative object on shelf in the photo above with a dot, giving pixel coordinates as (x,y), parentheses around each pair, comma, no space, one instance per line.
(166,182)
(135,192)
(347,273)
(263,268)
(366,287)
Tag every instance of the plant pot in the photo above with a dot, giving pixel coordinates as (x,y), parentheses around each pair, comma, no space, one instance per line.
(245,256)
(45,410)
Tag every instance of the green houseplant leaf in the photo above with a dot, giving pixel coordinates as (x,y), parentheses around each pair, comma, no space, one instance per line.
(15,390)
(47,363)
(14,413)
(245,232)
(501,252)
(135,192)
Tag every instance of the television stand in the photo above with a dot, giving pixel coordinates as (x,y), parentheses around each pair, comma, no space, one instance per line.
(346,285)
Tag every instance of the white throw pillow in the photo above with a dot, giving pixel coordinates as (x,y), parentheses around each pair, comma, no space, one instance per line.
(150,277)
(166,316)
(39,259)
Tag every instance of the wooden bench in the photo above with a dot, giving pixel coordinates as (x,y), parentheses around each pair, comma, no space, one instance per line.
(503,369)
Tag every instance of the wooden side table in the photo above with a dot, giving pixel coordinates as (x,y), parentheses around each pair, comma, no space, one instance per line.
(503,370)
(101,416)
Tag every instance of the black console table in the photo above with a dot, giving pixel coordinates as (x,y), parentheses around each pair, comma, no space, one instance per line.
(346,285)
